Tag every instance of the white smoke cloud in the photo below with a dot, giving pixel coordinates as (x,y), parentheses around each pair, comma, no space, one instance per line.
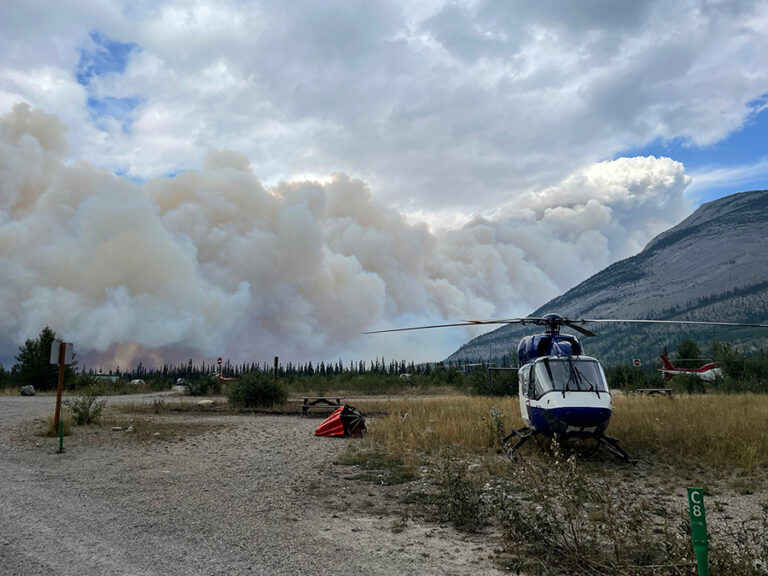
(212,262)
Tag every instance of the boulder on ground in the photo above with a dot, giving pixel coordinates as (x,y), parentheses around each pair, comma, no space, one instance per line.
(28,390)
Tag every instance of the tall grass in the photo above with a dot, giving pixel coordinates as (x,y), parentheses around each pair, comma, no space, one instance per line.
(49,429)
(716,431)
(430,424)
(721,432)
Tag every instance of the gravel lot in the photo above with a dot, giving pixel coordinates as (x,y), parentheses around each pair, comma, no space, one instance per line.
(218,495)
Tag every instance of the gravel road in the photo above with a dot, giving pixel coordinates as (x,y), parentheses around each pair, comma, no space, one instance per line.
(242,495)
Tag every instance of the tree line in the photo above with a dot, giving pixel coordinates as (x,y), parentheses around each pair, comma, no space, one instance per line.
(33,368)
(741,372)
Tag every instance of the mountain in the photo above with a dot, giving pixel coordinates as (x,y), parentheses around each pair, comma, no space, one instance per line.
(712,266)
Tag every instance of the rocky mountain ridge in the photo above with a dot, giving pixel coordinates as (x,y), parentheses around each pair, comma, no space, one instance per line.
(711,266)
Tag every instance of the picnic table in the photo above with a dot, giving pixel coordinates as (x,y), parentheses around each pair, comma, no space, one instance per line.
(309,402)
(655,391)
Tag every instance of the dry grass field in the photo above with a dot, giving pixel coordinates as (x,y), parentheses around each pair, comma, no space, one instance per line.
(589,515)
(720,432)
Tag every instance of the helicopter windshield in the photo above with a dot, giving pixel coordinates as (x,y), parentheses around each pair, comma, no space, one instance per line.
(569,375)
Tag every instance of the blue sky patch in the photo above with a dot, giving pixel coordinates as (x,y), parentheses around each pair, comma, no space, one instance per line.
(123,173)
(103,57)
(736,164)
(118,108)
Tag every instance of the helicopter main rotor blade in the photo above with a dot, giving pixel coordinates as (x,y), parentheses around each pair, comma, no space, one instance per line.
(462,323)
(684,322)
(573,323)
(578,328)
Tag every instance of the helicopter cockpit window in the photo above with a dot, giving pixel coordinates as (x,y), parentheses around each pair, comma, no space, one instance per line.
(569,375)
(527,376)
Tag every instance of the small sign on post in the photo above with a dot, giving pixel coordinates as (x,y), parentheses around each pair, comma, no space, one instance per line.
(699,529)
(56,352)
(636,362)
(61,354)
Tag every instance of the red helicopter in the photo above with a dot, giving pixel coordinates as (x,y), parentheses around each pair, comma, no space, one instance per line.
(707,372)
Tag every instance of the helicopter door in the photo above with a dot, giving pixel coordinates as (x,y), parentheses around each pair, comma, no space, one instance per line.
(527,391)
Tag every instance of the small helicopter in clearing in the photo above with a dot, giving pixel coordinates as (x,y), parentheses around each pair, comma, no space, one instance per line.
(708,372)
(563,392)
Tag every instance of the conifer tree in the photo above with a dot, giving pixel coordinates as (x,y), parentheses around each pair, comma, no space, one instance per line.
(34,363)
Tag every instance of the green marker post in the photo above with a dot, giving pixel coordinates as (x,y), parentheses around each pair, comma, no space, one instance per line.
(699,529)
(61,436)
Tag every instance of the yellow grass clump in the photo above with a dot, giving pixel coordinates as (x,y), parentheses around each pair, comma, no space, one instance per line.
(428,424)
(49,425)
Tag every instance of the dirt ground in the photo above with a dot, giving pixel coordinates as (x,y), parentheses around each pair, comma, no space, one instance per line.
(206,494)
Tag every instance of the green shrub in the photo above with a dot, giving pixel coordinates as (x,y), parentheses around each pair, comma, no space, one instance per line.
(256,390)
(460,495)
(197,387)
(630,378)
(204,385)
(159,383)
(82,381)
(497,383)
(86,409)
(553,513)
(690,383)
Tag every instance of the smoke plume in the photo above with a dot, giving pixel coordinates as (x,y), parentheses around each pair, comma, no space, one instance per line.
(211,262)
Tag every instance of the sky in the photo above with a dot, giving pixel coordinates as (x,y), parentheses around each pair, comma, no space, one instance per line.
(250,178)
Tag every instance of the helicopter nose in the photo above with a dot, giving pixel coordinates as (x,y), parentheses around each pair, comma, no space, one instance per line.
(584,417)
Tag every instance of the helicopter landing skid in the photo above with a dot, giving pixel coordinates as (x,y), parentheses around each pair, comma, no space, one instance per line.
(524,434)
(612,445)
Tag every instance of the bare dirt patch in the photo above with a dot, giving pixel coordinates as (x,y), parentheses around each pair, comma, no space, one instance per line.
(210,494)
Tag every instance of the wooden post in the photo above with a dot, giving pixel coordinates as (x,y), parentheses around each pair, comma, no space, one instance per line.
(276,361)
(60,388)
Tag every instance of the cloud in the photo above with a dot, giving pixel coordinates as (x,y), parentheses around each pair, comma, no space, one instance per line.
(712,177)
(213,262)
(440,106)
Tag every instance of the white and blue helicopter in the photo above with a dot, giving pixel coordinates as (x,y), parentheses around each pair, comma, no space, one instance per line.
(563,393)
